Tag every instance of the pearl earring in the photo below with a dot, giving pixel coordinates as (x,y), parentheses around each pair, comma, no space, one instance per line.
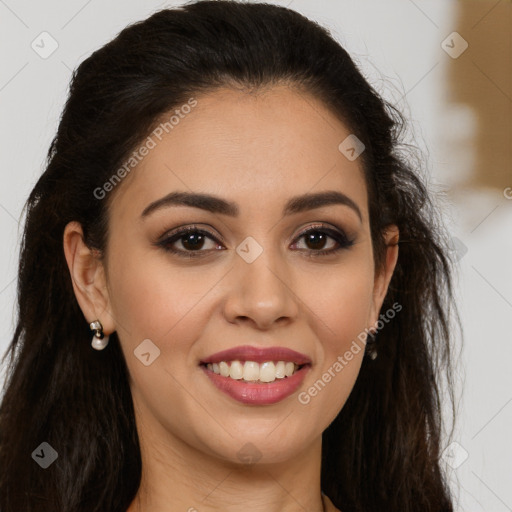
(99,340)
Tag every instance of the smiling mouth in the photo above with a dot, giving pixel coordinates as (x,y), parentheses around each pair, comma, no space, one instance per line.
(253,372)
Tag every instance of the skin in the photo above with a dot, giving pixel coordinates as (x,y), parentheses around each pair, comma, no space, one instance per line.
(257,150)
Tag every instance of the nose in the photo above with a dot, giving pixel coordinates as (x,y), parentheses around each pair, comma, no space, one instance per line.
(260,293)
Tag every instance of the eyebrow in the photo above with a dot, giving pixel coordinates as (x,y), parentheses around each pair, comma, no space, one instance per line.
(216,204)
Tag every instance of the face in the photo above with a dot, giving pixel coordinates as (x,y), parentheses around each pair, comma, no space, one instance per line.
(262,277)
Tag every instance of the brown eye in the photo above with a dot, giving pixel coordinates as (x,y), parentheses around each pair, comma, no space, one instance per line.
(192,240)
(315,239)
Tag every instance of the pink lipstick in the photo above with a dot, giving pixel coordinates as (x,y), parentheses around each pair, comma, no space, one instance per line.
(240,367)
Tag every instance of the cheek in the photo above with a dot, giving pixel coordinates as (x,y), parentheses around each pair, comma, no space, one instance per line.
(153,299)
(341,302)
(339,314)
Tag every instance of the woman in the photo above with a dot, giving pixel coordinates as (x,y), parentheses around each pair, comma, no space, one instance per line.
(222,210)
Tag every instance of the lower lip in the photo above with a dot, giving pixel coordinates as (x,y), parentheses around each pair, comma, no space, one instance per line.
(258,394)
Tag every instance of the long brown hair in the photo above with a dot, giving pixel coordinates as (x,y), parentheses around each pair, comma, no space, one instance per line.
(382,452)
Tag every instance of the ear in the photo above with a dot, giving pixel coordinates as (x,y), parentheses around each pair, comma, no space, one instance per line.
(383,277)
(88,278)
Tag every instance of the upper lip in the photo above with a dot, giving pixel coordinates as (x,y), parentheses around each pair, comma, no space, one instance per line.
(258,355)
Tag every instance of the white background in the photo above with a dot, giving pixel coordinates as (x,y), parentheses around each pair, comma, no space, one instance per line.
(398,46)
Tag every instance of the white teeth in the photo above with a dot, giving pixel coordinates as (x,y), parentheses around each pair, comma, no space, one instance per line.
(268,372)
(280,374)
(224,369)
(250,371)
(236,370)
(289,368)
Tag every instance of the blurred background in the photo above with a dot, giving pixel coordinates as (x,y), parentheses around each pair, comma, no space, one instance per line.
(446,64)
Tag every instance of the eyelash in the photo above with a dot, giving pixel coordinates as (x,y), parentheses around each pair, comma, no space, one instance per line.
(340,237)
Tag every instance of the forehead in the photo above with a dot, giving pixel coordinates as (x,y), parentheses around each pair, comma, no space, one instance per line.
(255,148)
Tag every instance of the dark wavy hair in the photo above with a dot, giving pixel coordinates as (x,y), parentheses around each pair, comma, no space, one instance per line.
(382,451)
